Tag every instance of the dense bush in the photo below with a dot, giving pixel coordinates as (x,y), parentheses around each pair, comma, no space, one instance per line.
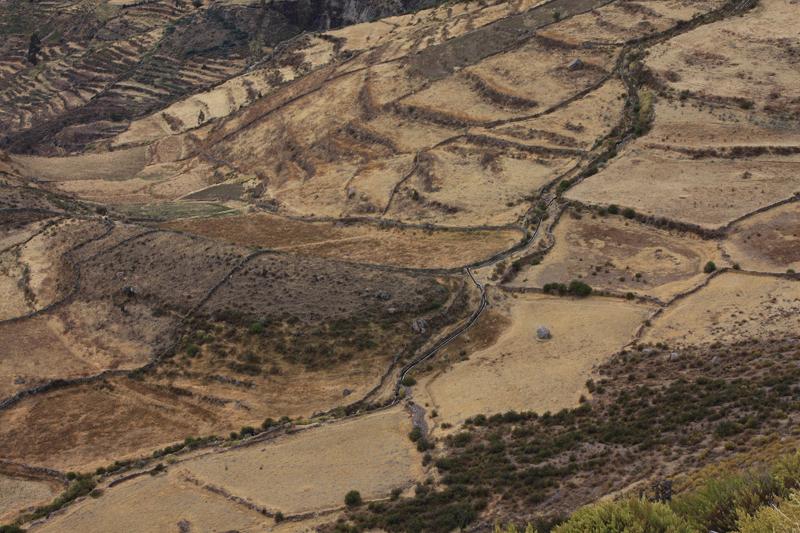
(626,516)
(352,498)
(579,288)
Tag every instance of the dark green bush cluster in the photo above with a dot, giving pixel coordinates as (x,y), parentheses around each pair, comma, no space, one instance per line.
(352,498)
(575,288)
(428,511)
(189,443)
(82,485)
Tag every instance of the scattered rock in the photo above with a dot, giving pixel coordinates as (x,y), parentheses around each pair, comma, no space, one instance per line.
(674,356)
(383,295)
(575,64)
(346,392)
(543,333)
(419,326)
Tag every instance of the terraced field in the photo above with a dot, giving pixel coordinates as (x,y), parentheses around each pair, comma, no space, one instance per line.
(392,266)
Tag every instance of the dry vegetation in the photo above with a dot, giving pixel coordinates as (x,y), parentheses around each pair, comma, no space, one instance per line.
(622,255)
(477,261)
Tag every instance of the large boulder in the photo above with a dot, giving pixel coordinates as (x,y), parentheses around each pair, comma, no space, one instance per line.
(543,333)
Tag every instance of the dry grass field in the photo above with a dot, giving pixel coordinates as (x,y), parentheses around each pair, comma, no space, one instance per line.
(312,471)
(736,160)
(614,253)
(17,494)
(709,193)
(768,242)
(405,247)
(520,372)
(289,474)
(163,503)
(733,307)
(235,249)
(105,421)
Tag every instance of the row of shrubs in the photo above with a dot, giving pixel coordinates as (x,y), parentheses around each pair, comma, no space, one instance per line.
(575,288)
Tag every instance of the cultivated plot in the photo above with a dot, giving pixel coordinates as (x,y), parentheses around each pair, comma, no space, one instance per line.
(614,253)
(520,372)
(360,243)
(768,242)
(313,470)
(733,307)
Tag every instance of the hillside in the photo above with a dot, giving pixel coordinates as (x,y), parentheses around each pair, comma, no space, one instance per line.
(480,262)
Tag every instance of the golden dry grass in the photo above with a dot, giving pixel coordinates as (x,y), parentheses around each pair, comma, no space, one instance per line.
(313,470)
(708,192)
(156,504)
(734,306)
(768,242)
(622,255)
(522,373)
(358,243)
(17,494)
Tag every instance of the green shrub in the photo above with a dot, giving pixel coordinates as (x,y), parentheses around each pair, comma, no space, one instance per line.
(782,517)
(192,350)
(415,434)
(710,267)
(625,516)
(555,288)
(409,381)
(353,499)
(80,486)
(628,212)
(579,288)
(613,209)
(279,517)
(256,328)
(720,502)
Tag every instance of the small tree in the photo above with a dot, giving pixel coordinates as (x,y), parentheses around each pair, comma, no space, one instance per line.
(34,48)
(710,267)
(579,288)
(353,499)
